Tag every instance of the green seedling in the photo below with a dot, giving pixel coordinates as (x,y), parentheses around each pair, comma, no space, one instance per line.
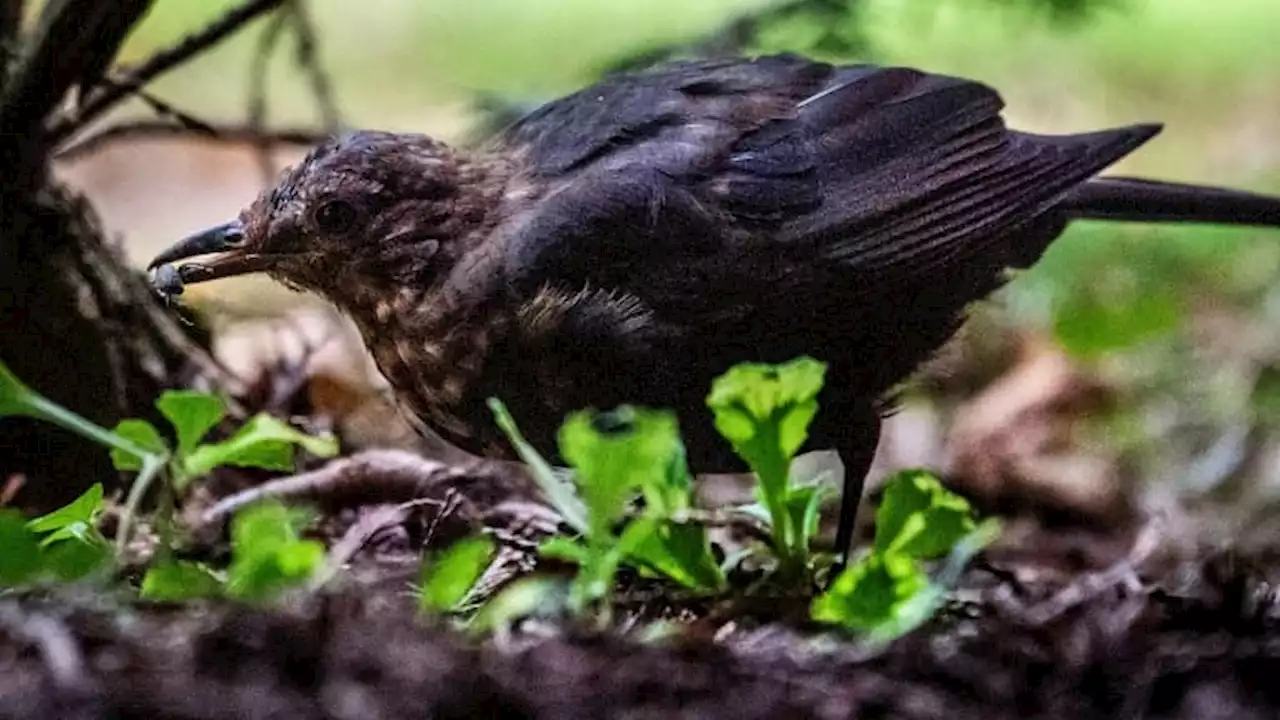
(16,399)
(268,557)
(136,445)
(617,456)
(262,442)
(764,411)
(63,545)
(887,593)
(446,577)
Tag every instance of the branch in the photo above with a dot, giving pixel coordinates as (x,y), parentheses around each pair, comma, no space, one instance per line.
(163,61)
(309,61)
(294,14)
(74,37)
(258,73)
(159,129)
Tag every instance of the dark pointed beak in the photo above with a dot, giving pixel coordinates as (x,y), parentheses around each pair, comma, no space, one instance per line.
(226,241)
(223,238)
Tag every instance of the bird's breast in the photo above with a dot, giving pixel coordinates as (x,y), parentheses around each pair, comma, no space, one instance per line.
(433,365)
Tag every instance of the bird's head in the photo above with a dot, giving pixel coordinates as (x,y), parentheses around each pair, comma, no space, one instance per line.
(359,215)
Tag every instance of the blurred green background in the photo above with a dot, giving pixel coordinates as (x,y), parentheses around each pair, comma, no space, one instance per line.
(1182,320)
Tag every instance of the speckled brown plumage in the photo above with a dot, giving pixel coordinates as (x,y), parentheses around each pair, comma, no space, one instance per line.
(631,241)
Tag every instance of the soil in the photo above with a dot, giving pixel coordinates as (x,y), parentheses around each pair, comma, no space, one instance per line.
(1071,628)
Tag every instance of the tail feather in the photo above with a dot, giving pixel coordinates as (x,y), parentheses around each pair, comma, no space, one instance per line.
(1139,200)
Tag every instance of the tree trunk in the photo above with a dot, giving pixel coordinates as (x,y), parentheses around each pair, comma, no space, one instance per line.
(76,322)
(81,327)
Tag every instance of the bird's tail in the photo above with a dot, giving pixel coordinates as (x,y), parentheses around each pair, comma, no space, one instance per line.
(1138,200)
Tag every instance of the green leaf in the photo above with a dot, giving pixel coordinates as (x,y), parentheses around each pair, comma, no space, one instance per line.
(20,559)
(918,517)
(616,453)
(672,492)
(910,614)
(680,551)
(263,442)
(264,527)
(873,591)
(73,520)
(143,435)
(264,576)
(527,597)
(192,414)
(753,394)
(179,580)
(764,411)
(805,505)
(446,577)
(916,610)
(563,549)
(70,560)
(596,576)
(14,394)
(557,491)
(267,555)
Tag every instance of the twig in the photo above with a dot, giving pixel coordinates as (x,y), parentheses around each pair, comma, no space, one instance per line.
(363,531)
(372,476)
(309,60)
(11,488)
(160,63)
(1122,574)
(449,505)
(159,129)
(79,29)
(183,118)
(258,89)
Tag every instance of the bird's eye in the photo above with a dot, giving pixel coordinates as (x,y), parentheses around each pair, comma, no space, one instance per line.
(336,216)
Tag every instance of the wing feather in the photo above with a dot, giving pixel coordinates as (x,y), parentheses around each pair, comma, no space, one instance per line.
(885,172)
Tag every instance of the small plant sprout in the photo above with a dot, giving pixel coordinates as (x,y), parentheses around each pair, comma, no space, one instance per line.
(268,557)
(64,545)
(765,411)
(887,593)
(617,456)
(446,577)
(136,445)
(263,442)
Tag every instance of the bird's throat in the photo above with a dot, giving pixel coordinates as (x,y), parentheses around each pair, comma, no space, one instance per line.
(432,352)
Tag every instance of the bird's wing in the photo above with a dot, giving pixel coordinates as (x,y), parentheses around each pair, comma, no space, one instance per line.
(890,172)
(674,113)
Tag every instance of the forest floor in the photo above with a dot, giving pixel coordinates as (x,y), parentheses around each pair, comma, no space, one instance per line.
(1082,609)
(1029,634)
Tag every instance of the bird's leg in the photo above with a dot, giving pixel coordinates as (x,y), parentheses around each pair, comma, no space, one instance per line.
(857,451)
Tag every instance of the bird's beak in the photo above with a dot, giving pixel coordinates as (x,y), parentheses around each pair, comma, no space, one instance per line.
(226,240)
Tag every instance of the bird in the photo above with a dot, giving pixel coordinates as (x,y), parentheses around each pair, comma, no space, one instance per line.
(629,242)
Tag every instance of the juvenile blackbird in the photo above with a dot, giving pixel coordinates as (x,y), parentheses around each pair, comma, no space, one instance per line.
(633,240)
